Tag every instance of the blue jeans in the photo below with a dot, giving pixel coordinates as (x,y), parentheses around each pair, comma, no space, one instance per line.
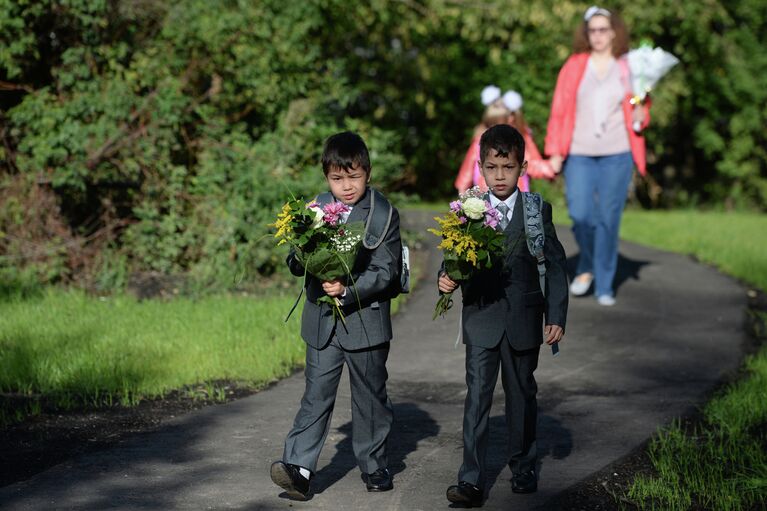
(597,187)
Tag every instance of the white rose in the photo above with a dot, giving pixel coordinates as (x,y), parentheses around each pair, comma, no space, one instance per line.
(474,208)
(318,215)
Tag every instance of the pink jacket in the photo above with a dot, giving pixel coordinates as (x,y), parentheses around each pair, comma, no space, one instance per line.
(469,174)
(559,132)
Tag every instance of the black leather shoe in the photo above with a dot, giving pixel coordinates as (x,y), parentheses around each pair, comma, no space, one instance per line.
(288,477)
(380,480)
(466,494)
(526,482)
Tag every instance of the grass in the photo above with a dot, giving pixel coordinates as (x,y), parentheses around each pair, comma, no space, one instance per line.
(736,243)
(722,462)
(73,349)
(67,349)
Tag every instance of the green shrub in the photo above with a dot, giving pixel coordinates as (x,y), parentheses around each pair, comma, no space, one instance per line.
(168,132)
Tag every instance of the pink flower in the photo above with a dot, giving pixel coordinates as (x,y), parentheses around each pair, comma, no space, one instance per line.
(462,219)
(336,208)
(333,212)
(455,206)
(492,216)
(490,221)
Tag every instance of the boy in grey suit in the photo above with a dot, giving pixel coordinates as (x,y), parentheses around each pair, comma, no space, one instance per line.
(503,313)
(362,342)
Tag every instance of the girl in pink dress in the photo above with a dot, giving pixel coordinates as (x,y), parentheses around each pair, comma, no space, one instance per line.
(506,108)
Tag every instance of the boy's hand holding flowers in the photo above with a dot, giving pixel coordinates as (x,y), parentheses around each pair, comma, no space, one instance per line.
(333,288)
(446,284)
(470,242)
(324,245)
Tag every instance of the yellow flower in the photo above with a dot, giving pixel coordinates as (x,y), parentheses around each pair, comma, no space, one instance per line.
(282,224)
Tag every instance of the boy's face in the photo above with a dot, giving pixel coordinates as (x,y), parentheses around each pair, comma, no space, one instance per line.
(501,173)
(348,186)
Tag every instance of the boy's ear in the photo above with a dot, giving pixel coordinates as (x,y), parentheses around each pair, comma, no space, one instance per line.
(370,173)
(524,168)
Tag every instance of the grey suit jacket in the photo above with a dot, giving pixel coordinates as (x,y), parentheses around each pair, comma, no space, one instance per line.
(507,298)
(367,302)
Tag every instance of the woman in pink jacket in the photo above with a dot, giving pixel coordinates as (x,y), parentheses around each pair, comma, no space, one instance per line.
(590,131)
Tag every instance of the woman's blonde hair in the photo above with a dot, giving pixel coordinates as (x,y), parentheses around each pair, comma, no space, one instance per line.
(620,43)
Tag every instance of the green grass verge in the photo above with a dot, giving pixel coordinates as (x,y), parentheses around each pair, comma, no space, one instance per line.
(71,349)
(722,463)
(67,349)
(736,243)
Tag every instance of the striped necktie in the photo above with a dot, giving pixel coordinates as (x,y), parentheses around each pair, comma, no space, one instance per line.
(503,209)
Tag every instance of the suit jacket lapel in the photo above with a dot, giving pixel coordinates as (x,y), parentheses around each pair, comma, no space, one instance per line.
(360,210)
(517,217)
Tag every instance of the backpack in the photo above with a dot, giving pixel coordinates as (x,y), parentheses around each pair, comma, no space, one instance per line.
(532,206)
(376,226)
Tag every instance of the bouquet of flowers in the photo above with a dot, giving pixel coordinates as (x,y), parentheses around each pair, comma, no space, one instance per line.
(470,239)
(648,65)
(325,247)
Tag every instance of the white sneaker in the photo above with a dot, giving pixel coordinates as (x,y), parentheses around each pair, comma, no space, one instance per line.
(579,287)
(606,300)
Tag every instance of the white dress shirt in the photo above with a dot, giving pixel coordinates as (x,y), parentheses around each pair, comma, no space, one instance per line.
(510,201)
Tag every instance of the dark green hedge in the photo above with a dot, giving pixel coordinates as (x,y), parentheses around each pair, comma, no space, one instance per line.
(159,136)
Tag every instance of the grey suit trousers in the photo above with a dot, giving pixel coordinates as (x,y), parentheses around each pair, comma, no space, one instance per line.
(519,386)
(372,412)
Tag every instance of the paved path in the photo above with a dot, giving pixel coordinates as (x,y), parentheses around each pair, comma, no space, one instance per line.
(624,371)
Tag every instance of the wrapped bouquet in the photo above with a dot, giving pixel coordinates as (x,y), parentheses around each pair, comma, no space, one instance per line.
(470,239)
(648,65)
(324,245)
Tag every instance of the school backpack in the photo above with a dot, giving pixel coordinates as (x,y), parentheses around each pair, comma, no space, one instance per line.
(376,226)
(532,206)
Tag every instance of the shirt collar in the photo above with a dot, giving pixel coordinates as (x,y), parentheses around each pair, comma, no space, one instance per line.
(510,200)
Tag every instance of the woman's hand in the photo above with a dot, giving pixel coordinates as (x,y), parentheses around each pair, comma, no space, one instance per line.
(638,116)
(556,163)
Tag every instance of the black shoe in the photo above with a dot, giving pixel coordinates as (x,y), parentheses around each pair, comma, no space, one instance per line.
(466,494)
(288,477)
(526,482)
(380,480)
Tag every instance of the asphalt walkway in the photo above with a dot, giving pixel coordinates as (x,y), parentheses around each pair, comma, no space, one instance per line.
(623,372)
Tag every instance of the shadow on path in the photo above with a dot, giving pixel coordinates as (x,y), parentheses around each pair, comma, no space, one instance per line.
(628,269)
(411,425)
(554,441)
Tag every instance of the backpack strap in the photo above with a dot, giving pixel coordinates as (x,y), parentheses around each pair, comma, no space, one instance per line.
(324,198)
(532,206)
(378,220)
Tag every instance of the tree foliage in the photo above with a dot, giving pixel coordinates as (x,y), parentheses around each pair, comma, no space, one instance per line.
(166,134)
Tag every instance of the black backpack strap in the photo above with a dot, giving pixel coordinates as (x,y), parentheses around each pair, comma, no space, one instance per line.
(378,220)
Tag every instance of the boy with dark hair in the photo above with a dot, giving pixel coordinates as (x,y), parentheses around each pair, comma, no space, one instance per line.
(503,312)
(362,342)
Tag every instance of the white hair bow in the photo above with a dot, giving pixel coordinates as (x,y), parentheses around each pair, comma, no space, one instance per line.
(513,100)
(595,11)
(490,94)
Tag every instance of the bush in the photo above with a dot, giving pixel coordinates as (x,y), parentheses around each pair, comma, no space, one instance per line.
(167,133)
